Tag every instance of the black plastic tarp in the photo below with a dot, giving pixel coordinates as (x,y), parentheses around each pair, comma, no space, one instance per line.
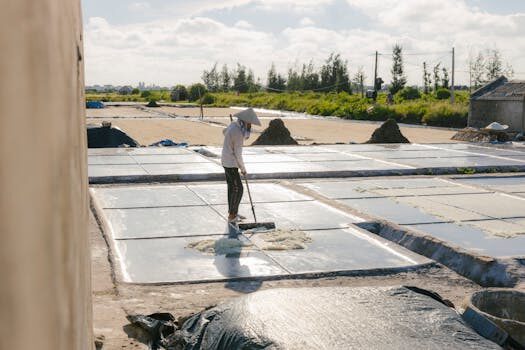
(107,136)
(329,318)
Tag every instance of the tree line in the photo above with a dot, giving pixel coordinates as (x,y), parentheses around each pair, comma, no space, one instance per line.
(332,76)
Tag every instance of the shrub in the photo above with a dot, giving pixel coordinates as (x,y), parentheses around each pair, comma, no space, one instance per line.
(135,91)
(145,94)
(179,93)
(444,114)
(196,92)
(409,93)
(208,99)
(442,94)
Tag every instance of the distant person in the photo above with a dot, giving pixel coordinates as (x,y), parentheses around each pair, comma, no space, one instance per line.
(232,161)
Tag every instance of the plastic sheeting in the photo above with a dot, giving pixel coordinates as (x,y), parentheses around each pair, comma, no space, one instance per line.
(329,318)
(108,137)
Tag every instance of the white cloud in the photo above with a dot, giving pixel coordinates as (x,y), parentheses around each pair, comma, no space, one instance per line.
(168,52)
(177,50)
(243,24)
(306,21)
(139,6)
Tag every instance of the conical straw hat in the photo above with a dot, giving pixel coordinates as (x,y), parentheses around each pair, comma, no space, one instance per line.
(248,116)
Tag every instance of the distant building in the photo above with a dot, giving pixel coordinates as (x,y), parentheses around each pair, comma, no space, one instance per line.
(125,90)
(501,101)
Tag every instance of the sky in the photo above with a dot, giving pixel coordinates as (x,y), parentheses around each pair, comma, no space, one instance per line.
(169,42)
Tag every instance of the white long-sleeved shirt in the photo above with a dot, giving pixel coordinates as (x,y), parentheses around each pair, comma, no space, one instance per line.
(232,147)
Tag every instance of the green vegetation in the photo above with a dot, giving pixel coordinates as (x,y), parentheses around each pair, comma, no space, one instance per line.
(144,96)
(409,93)
(425,110)
(466,171)
(196,92)
(442,94)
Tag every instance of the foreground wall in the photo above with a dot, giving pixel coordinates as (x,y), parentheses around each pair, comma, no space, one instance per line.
(44,253)
(484,112)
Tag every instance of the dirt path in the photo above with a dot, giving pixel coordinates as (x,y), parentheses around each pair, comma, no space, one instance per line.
(307,131)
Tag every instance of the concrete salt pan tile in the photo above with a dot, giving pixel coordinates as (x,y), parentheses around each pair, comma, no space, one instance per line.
(298,149)
(268,158)
(310,215)
(108,160)
(138,151)
(168,260)
(500,229)
(370,188)
(453,146)
(395,192)
(344,189)
(389,209)
(336,250)
(490,204)
(159,150)
(460,162)
(442,211)
(492,180)
(411,154)
(273,168)
(261,192)
(359,165)
(374,147)
(316,157)
(410,182)
(108,151)
(474,239)
(115,170)
(189,168)
(146,196)
(169,158)
(164,222)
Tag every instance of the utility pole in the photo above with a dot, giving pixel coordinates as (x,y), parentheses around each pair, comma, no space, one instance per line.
(452,97)
(375,79)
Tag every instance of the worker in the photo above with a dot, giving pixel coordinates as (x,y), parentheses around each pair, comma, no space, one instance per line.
(232,161)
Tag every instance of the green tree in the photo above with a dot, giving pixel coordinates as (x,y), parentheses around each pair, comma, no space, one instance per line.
(250,82)
(494,66)
(294,82)
(427,81)
(276,82)
(309,77)
(196,92)
(239,81)
(135,91)
(359,80)
(399,79)
(179,93)
(486,66)
(477,70)
(437,78)
(211,79)
(445,81)
(334,74)
(225,79)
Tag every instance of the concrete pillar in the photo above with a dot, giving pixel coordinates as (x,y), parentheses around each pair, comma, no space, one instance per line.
(45,291)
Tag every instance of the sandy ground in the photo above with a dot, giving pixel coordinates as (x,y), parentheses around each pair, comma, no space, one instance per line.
(118,112)
(209,132)
(113,301)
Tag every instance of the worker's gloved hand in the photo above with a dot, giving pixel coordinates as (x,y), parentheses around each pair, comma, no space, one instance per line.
(243,172)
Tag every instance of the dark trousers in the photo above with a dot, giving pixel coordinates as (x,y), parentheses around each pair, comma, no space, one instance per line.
(235,190)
